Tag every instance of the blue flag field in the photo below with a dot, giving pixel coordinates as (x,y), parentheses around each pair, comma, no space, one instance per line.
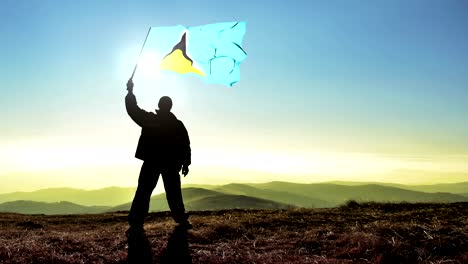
(211,52)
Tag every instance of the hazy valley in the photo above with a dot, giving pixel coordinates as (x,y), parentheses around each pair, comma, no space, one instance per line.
(272,195)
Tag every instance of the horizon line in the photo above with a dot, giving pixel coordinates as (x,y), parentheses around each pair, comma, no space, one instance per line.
(246,183)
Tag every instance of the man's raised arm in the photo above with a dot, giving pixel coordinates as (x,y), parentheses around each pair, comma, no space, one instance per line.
(140,116)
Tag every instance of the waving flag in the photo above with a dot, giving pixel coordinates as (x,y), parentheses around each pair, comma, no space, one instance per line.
(211,52)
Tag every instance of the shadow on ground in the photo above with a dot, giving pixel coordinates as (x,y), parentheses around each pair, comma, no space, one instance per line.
(176,251)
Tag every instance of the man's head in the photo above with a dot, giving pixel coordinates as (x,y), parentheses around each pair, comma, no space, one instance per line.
(165,104)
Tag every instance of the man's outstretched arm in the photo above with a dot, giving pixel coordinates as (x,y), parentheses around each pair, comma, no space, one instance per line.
(140,116)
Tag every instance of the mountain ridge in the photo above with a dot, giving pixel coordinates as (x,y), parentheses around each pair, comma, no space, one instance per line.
(113,195)
(271,195)
(62,207)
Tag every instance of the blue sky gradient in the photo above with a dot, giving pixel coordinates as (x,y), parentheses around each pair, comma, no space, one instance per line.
(385,77)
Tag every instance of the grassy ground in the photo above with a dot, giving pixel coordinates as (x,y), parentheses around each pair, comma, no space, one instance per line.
(355,233)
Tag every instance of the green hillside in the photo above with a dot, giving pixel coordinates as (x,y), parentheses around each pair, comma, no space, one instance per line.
(338,194)
(31,207)
(230,201)
(158,202)
(272,195)
(456,188)
(198,199)
(277,196)
(110,196)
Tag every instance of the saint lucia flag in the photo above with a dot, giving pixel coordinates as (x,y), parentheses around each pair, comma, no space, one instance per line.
(211,52)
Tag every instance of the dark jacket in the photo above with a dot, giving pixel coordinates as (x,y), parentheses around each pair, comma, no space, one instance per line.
(163,139)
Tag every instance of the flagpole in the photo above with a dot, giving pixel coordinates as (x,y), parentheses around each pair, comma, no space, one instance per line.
(141,51)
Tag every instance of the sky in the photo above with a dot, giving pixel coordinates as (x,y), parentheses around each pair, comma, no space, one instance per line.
(330,90)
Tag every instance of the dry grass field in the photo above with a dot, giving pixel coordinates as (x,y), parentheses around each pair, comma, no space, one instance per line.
(353,233)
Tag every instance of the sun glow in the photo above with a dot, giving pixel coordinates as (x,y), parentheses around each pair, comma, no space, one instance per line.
(151,82)
(62,162)
(54,154)
(149,65)
(41,157)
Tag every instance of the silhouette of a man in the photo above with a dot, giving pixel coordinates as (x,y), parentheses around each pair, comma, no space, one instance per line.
(164,147)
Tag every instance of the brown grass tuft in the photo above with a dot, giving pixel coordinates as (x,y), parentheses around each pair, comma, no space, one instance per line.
(356,233)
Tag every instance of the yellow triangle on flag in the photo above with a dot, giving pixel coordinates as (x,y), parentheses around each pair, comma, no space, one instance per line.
(177,62)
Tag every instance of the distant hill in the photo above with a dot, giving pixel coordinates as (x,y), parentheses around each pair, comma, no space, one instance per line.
(158,202)
(202,186)
(30,207)
(198,199)
(337,194)
(272,195)
(110,196)
(195,199)
(277,196)
(456,188)
(230,201)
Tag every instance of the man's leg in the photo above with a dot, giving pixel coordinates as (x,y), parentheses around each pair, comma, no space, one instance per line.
(172,186)
(147,180)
